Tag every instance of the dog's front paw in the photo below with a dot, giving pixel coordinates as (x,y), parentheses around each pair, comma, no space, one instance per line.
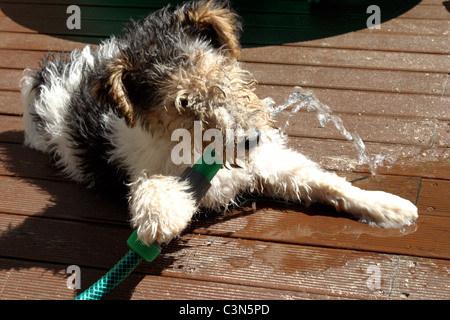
(161,208)
(386,210)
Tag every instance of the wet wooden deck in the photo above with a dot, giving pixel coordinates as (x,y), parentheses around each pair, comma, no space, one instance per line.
(390,85)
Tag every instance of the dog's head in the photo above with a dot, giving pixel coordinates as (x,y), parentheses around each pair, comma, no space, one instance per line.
(176,67)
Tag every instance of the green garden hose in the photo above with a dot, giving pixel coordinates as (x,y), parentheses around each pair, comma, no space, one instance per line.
(199,177)
(113,278)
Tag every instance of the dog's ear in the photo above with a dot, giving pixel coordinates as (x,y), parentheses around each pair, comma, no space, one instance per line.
(217,21)
(110,90)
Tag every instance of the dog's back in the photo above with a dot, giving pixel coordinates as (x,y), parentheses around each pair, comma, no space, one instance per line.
(55,97)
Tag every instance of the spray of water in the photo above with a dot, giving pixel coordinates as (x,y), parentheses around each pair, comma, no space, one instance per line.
(303,99)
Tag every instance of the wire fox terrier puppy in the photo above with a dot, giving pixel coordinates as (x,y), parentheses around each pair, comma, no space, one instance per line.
(109,113)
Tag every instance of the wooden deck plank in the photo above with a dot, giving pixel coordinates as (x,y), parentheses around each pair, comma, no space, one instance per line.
(57,26)
(442,138)
(11,80)
(40,42)
(421,279)
(350,79)
(313,76)
(434,197)
(370,128)
(421,11)
(357,40)
(20,59)
(447,85)
(340,101)
(10,103)
(370,103)
(94,12)
(60,200)
(329,57)
(43,281)
(17,160)
(151,287)
(353,40)
(412,161)
(32,281)
(11,129)
(332,57)
(62,241)
(414,26)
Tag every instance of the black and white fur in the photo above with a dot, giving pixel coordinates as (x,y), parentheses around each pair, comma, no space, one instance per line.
(107,114)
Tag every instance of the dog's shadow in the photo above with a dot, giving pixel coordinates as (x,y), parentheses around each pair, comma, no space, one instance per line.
(51,223)
(69,224)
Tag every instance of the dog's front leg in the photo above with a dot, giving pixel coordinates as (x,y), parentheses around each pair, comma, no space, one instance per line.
(161,207)
(287,174)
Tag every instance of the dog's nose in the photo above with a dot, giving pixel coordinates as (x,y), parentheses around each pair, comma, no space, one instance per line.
(253,139)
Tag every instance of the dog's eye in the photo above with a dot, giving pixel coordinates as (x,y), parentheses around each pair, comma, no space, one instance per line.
(184,102)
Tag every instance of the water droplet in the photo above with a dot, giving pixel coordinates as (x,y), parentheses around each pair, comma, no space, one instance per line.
(305,99)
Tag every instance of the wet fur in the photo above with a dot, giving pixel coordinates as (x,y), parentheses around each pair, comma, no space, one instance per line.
(107,114)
